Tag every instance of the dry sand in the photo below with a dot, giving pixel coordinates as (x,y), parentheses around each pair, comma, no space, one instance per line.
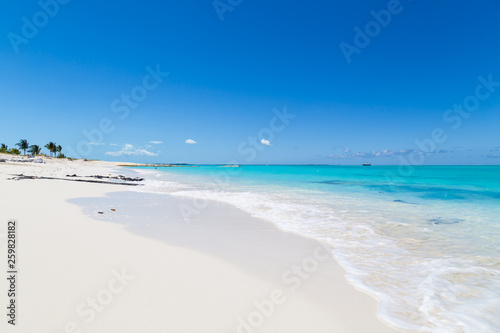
(79,274)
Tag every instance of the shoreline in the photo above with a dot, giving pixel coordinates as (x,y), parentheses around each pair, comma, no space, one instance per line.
(181,280)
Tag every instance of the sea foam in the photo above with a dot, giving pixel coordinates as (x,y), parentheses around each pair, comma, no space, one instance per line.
(428,275)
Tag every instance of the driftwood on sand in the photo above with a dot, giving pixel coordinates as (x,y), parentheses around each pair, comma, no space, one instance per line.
(23,177)
(119,177)
(22,160)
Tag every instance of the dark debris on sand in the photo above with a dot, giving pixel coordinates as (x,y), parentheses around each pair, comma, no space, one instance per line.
(23,177)
(119,177)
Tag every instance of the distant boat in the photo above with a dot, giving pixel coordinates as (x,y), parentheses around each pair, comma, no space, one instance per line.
(367,164)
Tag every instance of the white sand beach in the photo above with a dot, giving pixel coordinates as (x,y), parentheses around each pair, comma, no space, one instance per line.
(231,273)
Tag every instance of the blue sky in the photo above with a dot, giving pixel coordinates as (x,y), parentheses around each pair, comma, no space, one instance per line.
(228,80)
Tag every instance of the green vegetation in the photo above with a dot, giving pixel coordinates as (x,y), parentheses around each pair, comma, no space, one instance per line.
(35,149)
(23,145)
(54,149)
(59,149)
(51,146)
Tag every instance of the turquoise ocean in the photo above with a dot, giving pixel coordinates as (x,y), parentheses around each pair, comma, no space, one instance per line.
(425,241)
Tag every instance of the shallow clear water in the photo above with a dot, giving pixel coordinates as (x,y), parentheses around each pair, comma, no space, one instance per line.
(425,242)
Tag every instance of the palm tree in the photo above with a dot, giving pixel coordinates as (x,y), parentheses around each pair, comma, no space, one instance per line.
(4,148)
(23,145)
(35,149)
(59,149)
(54,149)
(50,146)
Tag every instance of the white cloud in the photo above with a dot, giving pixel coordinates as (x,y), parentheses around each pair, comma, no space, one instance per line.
(113,144)
(191,142)
(346,153)
(156,142)
(97,143)
(265,142)
(130,150)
